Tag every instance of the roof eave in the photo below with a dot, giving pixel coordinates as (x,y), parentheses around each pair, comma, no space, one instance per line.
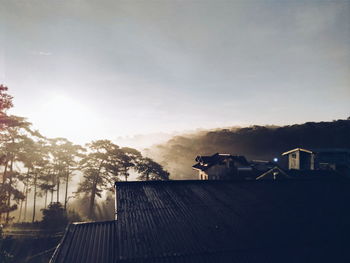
(297,149)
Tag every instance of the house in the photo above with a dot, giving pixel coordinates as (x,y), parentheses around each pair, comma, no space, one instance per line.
(221,166)
(217,221)
(319,159)
(300,159)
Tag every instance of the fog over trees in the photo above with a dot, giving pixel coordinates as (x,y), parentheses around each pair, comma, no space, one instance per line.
(255,142)
(36,171)
(36,167)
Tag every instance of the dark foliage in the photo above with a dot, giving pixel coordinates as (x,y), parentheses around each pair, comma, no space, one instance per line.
(151,170)
(106,163)
(54,217)
(5,99)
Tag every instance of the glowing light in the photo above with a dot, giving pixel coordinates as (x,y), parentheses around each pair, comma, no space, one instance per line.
(62,116)
(275,160)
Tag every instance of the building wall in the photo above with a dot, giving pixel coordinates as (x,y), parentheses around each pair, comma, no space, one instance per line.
(228,169)
(306,161)
(294,160)
(203,175)
(220,172)
(300,160)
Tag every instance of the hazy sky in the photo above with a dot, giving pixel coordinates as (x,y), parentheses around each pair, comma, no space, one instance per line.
(103,69)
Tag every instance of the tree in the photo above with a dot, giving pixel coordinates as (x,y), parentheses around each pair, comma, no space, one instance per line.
(65,155)
(34,157)
(5,99)
(46,186)
(58,166)
(151,170)
(70,154)
(40,162)
(128,160)
(104,163)
(120,161)
(5,104)
(54,217)
(96,178)
(13,131)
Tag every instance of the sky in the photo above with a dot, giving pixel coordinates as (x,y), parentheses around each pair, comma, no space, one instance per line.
(106,69)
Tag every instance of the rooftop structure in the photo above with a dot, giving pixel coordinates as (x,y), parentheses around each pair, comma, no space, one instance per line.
(221,166)
(218,221)
(300,159)
(319,159)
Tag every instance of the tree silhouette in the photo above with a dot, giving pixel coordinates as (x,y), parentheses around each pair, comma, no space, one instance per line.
(14,131)
(54,217)
(129,160)
(96,178)
(105,163)
(151,170)
(65,155)
(5,99)
(38,166)
(40,161)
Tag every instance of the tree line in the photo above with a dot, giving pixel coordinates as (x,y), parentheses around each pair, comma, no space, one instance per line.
(255,143)
(33,163)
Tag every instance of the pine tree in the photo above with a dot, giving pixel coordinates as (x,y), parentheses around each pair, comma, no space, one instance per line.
(151,170)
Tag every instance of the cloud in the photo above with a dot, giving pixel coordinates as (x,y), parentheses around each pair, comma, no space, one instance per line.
(41,53)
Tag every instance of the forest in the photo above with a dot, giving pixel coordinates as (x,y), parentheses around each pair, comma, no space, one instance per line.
(36,167)
(254,142)
(45,183)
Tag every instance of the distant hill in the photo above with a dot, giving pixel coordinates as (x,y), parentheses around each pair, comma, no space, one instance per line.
(255,142)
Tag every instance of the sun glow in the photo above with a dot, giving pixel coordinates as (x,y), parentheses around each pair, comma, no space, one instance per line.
(62,116)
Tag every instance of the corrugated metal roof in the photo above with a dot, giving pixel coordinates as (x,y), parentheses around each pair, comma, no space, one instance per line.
(219,221)
(87,242)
